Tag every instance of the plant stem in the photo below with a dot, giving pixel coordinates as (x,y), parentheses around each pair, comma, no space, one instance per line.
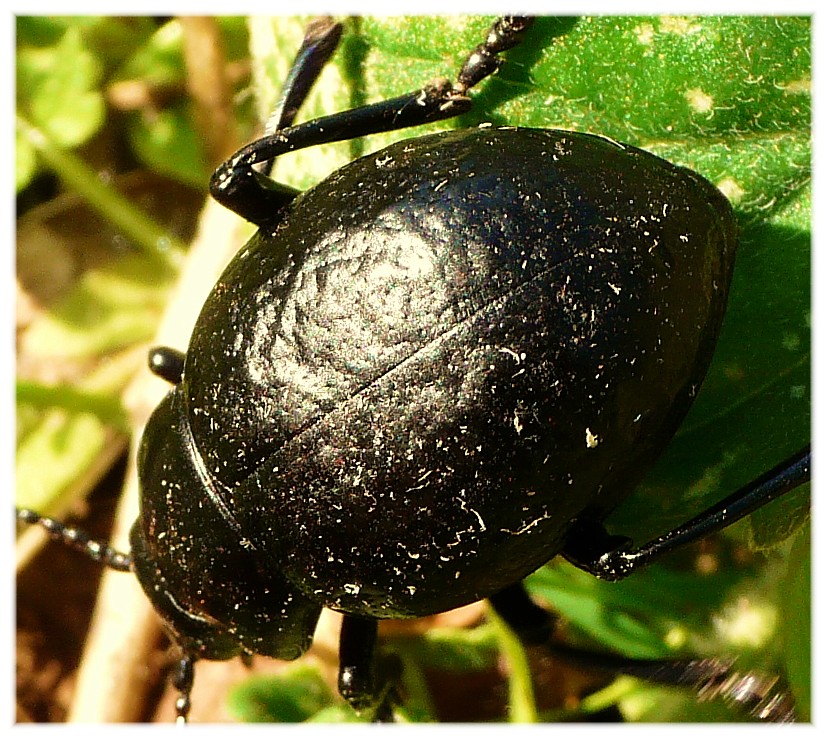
(81,178)
(520,687)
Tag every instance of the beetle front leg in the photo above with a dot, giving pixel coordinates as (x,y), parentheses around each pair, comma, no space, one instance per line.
(361,684)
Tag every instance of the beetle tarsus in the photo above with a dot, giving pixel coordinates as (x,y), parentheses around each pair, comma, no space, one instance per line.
(483,61)
(760,695)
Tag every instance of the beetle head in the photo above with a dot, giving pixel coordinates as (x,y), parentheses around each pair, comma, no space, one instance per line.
(217,594)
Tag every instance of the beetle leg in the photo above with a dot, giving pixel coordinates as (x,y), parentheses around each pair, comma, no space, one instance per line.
(533,624)
(759,694)
(358,681)
(612,558)
(320,42)
(265,196)
(506,32)
(167,363)
(239,185)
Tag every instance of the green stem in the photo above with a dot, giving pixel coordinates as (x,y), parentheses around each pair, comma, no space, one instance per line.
(608,696)
(418,702)
(520,687)
(81,178)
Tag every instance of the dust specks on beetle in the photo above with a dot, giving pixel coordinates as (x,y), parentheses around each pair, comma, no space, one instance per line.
(528,526)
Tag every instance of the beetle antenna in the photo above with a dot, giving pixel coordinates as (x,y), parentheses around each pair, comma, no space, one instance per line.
(182,679)
(77,539)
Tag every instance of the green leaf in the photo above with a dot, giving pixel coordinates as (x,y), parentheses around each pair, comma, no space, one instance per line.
(65,434)
(166,140)
(112,307)
(450,649)
(159,61)
(60,85)
(169,144)
(291,697)
(52,456)
(25,162)
(730,97)
(796,622)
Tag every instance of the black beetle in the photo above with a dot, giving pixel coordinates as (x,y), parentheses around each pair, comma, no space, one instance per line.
(419,377)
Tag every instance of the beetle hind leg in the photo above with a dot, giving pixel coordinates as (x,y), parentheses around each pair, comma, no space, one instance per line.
(761,696)
(590,547)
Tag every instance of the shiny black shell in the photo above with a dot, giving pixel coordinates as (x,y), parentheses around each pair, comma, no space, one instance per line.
(400,396)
